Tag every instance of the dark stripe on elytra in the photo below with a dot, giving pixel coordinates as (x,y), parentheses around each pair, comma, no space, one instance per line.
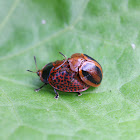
(89,77)
(92,79)
(99,72)
(91,58)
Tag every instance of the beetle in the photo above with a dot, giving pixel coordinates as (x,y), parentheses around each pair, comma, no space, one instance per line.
(90,71)
(75,74)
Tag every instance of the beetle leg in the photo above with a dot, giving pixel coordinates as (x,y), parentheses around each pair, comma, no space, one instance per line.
(40,87)
(57,95)
(79,94)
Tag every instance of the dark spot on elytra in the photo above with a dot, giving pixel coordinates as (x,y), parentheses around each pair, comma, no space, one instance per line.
(66,88)
(61,77)
(52,74)
(66,77)
(62,73)
(70,74)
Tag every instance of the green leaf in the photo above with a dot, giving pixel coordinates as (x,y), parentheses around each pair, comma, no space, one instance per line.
(108,31)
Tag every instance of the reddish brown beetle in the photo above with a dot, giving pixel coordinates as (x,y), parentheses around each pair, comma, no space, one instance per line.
(89,69)
(75,74)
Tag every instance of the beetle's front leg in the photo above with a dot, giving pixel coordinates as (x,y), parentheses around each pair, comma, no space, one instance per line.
(57,95)
(40,87)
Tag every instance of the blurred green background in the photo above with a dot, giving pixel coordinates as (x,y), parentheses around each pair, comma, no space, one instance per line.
(108,31)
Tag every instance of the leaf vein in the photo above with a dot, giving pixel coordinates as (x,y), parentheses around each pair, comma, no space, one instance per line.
(13,7)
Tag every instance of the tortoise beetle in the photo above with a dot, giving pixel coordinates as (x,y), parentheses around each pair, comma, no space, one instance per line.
(75,74)
(90,71)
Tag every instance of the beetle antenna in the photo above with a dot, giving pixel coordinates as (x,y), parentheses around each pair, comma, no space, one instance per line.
(36,66)
(35,63)
(62,63)
(63,55)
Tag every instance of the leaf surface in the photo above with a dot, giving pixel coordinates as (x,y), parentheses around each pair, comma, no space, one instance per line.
(108,31)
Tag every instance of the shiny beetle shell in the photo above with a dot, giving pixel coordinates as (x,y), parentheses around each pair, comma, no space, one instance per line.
(90,71)
(64,79)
